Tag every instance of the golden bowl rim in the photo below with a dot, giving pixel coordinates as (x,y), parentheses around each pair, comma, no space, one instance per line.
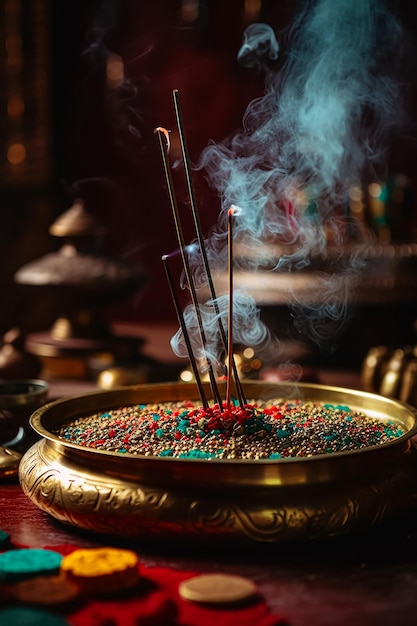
(36,389)
(37,416)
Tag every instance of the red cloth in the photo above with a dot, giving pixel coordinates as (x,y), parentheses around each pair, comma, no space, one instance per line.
(156,602)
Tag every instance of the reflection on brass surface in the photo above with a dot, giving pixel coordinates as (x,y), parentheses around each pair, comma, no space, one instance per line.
(408,391)
(18,400)
(15,361)
(391,373)
(374,367)
(392,377)
(232,501)
(75,222)
(9,462)
(117,376)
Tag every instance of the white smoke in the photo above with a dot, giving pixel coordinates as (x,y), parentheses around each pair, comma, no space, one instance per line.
(325,116)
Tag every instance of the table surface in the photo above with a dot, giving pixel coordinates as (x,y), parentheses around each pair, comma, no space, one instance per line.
(366,578)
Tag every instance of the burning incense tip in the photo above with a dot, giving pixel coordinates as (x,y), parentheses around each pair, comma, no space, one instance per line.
(235,210)
(164,132)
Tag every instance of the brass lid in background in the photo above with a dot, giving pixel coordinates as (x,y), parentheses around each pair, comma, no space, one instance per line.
(75,222)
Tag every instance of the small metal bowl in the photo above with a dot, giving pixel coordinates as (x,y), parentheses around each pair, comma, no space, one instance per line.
(221,501)
(18,400)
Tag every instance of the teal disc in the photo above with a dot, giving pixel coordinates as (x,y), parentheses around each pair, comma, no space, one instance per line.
(22,616)
(26,562)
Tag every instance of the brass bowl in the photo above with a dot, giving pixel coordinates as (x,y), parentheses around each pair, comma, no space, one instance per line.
(218,500)
(18,400)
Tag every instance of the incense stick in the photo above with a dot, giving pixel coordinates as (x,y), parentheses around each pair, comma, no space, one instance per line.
(199,232)
(165,260)
(230,316)
(163,133)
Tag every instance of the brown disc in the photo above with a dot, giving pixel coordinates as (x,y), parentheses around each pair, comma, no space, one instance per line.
(217,589)
(45,591)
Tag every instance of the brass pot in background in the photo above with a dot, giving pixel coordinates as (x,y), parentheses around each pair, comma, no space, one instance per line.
(391,373)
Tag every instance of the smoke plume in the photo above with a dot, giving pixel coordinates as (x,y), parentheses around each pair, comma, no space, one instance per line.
(328,108)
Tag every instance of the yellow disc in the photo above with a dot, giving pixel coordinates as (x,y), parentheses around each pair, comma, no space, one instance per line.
(217,588)
(100,570)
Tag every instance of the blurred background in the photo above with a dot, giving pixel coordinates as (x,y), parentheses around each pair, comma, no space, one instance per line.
(85,216)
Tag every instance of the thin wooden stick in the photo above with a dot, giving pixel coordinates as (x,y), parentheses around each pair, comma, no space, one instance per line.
(163,138)
(165,260)
(230,316)
(199,232)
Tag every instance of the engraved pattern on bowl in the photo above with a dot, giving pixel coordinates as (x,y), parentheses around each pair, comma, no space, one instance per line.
(238,501)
